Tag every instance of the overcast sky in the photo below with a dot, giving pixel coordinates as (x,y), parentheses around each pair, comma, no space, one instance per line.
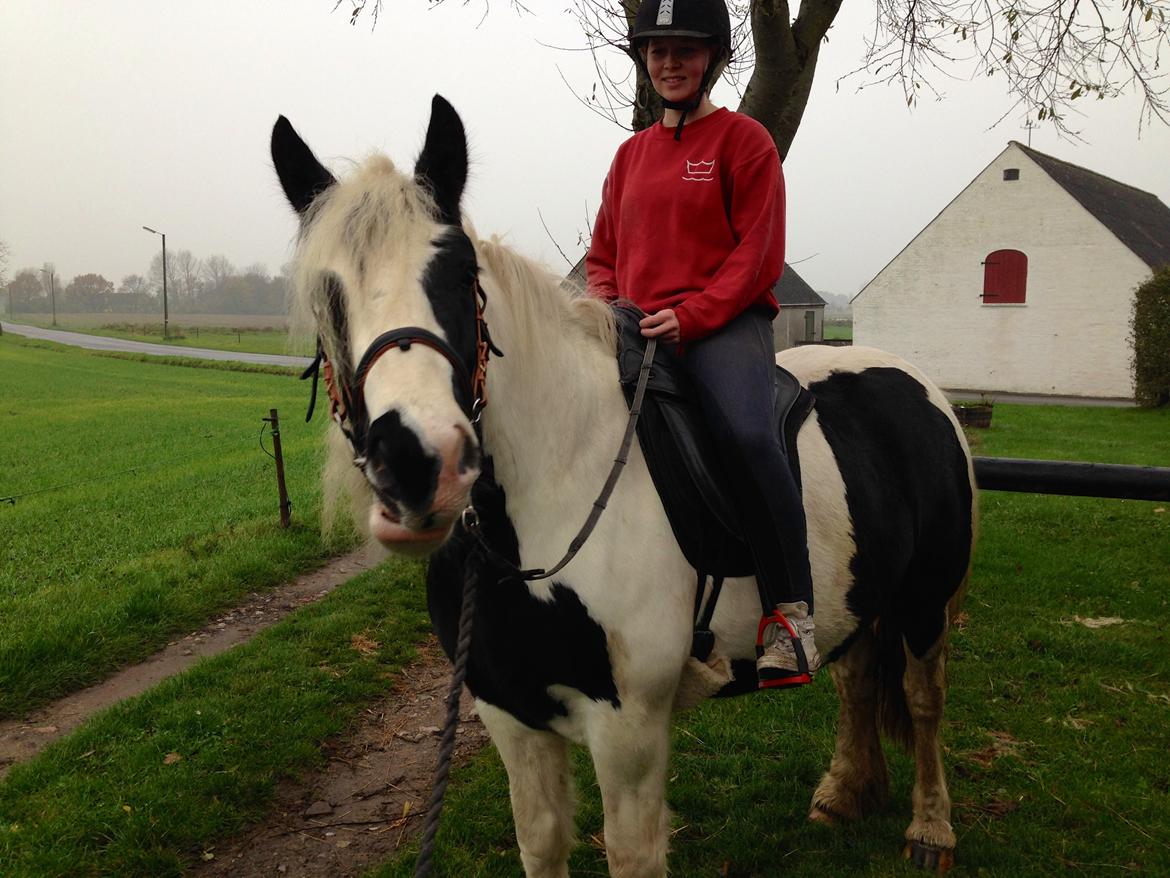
(118,114)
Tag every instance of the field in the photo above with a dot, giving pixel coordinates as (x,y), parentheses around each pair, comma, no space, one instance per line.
(1056,743)
(253,333)
(838,329)
(141,504)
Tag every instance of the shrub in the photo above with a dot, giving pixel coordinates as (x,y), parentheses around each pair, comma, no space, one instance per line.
(1150,336)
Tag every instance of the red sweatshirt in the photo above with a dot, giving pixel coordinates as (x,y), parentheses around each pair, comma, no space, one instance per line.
(696,225)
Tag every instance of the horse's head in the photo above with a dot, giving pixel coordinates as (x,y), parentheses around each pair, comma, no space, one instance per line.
(391,279)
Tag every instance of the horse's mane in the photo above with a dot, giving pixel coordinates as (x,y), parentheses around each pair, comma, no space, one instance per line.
(544,308)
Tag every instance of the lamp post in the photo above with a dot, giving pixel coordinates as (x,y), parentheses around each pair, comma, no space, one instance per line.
(164,240)
(52,293)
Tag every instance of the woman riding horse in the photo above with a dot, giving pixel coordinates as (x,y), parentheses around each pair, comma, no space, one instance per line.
(691,230)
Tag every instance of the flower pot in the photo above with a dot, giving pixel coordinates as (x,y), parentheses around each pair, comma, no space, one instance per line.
(977,416)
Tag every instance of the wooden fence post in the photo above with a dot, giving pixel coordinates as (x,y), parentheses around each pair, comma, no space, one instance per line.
(285,506)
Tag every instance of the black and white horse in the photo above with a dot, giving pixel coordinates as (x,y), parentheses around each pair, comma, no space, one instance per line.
(599,655)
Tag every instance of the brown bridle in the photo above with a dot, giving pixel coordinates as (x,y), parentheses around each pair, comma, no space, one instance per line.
(347,400)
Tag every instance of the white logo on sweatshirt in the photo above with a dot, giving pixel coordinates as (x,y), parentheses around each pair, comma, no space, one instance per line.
(700,172)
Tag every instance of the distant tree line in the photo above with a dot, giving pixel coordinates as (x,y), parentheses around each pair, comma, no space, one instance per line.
(194,286)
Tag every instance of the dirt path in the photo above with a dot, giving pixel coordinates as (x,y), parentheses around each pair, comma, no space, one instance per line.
(370,797)
(22,739)
(354,813)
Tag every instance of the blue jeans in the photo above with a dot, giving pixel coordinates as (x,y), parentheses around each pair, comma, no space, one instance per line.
(734,375)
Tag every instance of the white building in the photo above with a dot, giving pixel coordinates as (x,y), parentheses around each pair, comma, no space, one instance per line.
(1024,283)
(802,312)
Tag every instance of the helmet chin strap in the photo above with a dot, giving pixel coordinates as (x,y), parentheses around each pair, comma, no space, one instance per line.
(690,105)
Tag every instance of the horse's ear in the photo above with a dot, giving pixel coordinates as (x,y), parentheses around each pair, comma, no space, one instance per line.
(301,175)
(442,164)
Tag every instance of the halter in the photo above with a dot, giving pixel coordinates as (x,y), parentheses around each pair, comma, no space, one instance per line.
(347,404)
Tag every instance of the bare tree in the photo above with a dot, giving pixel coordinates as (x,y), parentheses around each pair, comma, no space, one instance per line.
(156,275)
(216,270)
(1050,53)
(187,269)
(134,285)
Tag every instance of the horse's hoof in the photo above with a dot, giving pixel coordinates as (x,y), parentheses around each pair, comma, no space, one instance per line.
(817,815)
(929,856)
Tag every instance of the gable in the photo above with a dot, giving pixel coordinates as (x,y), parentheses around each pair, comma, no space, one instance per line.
(792,289)
(1139,220)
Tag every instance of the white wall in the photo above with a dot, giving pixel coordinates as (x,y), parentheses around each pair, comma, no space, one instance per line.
(789,328)
(1070,337)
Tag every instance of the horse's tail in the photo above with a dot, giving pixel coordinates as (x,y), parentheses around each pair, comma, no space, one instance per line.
(893,712)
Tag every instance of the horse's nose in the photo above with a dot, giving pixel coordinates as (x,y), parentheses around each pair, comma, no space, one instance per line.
(398,466)
(461,466)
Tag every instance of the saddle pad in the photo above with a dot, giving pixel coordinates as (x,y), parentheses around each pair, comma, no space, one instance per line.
(681,453)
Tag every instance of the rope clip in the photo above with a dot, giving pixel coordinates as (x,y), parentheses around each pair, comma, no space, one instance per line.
(470,519)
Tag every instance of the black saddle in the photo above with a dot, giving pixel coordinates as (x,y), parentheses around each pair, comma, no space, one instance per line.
(686,467)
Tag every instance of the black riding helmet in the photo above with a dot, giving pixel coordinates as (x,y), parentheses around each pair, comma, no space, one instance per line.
(701,19)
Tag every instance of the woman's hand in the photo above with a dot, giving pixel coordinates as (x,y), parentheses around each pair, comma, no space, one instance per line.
(662,326)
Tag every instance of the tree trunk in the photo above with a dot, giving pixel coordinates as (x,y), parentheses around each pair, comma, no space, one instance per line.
(647,104)
(786,60)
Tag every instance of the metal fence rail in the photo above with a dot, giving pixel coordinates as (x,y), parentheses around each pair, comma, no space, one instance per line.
(1118,481)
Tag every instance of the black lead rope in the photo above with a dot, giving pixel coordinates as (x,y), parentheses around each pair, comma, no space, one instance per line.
(422,866)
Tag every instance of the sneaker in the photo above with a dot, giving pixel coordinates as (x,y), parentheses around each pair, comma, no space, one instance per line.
(786,654)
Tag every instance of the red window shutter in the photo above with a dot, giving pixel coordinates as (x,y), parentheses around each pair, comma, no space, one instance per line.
(1005,277)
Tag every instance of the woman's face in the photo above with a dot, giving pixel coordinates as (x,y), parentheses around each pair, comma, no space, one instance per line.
(676,66)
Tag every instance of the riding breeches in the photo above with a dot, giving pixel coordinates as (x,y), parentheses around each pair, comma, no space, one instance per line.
(734,375)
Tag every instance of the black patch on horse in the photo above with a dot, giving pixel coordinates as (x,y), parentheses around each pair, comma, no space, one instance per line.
(520,645)
(909,496)
(449,284)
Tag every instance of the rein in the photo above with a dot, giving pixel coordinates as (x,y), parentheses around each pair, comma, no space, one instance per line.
(470,517)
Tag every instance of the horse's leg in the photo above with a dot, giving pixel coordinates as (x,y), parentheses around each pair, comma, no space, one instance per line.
(629,756)
(541,788)
(856,780)
(930,840)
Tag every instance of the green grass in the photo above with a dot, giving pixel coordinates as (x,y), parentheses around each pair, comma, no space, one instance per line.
(838,329)
(1056,746)
(1057,750)
(143,504)
(107,800)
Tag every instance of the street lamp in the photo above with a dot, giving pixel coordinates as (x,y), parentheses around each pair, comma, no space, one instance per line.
(164,239)
(52,293)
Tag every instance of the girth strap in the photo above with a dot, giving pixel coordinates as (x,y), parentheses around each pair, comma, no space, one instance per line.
(703,639)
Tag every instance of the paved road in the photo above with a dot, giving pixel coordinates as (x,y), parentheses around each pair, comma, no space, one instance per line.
(1038,399)
(101,343)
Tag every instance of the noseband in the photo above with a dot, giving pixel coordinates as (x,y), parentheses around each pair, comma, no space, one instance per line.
(347,399)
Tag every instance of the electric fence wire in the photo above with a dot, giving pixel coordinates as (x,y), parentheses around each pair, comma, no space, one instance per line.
(10,499)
